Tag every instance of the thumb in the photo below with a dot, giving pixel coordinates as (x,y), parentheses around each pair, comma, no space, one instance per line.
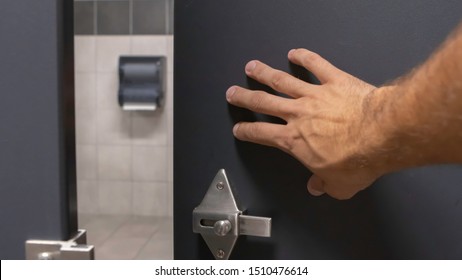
(315,186)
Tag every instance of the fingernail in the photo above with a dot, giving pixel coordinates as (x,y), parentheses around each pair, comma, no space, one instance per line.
(315,182)
(250,66)
(230,92)
(236,126)
(315,192)
(291,52)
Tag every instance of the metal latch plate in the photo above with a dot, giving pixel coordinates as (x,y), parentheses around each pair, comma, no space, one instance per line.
(74,249)
(220,221)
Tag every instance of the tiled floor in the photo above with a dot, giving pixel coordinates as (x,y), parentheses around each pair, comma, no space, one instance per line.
(132,237)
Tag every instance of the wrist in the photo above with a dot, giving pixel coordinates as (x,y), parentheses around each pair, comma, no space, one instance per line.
(398,140)
(381,130)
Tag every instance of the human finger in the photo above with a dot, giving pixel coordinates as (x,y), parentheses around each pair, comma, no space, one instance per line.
(315,185)
(278,80)
(262,133)
(260,102)
(316,64)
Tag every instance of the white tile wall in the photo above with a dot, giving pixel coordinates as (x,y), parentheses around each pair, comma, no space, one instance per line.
(169,97)
(115,197)
(107,90)
(87,196)
(85,54)
(170,44)
(85,125)
(150,45)
(125,159)
(170,123)
(150,128)
(149,163)
(108,50)
(114,127)
(150,199)
(114,163)
(85,90)
(86,162)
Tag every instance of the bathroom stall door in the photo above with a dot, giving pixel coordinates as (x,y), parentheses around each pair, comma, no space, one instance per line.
(37,146)
(413,214)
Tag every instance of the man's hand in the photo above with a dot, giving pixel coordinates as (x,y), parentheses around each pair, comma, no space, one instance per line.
(328,126)
(347,132)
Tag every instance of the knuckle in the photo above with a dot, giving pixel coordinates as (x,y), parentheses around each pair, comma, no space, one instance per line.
(287,142)
(297,110)
(256,101)
(252,131)
(277,80)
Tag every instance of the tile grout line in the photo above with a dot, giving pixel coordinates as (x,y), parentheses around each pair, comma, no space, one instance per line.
(97,121)
(114,231)
(144,245)
(130,133)
(158,228)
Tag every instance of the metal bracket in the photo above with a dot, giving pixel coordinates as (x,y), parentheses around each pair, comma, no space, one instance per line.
(74,249)
(220,222)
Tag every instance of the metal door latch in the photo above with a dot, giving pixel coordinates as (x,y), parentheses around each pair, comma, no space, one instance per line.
(74,249)
(220,222)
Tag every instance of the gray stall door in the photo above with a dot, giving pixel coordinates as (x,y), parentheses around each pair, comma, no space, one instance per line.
(37,146)
(410,214)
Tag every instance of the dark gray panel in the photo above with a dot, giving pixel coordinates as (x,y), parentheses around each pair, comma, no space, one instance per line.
(113,17)
(84,17)
(37,148)
(149,17)
(410,214)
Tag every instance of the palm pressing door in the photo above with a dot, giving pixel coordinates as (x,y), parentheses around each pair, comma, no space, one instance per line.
(410,214)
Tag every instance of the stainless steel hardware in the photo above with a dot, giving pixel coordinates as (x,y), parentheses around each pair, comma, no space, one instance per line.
(220,221)
(221,228)
(74,249)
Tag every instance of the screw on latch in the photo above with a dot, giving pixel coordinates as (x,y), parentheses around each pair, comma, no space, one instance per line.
(220,254)
(220,185)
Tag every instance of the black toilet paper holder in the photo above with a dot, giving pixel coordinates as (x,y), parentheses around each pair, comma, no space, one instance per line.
(141,82)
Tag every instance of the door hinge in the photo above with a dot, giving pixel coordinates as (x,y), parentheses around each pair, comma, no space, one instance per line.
(74,249)
(220,221)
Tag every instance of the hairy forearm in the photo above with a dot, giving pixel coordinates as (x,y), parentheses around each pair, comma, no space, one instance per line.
(419,117)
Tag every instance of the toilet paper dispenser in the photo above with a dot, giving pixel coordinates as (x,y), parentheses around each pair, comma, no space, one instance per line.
(141,82)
